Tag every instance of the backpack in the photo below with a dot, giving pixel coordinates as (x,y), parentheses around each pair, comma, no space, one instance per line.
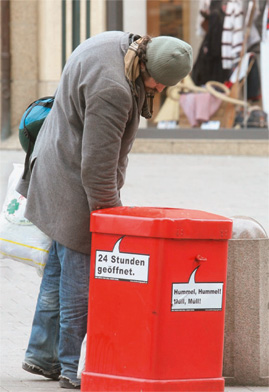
(31,122)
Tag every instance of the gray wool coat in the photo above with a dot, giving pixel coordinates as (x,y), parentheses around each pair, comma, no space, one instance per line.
(80,157)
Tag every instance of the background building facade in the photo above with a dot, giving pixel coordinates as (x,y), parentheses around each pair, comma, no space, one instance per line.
(39,35)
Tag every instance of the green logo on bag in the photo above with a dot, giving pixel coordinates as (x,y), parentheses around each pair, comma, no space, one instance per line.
(13,206)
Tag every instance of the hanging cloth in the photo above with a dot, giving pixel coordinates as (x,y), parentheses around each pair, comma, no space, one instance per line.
(233,34)
(265,60)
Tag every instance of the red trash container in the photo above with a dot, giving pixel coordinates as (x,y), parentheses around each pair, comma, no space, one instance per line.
(156,300)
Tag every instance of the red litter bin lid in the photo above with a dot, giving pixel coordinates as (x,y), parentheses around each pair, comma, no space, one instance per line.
(161,223)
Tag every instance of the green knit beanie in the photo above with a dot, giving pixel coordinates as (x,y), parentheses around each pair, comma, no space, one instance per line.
(169,59)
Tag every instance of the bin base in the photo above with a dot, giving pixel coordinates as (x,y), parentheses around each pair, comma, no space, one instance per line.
(93,382)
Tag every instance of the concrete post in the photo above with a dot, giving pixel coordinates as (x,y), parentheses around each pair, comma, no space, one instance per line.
(24,55)
(246,343)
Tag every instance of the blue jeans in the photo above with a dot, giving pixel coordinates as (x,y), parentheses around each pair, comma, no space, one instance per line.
(60,320)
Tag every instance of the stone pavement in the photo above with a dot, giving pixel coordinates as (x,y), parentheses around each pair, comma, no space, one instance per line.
(224,185)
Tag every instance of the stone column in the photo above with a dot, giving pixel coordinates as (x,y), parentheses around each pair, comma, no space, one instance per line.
(246,343)
(24,56)
(49,46)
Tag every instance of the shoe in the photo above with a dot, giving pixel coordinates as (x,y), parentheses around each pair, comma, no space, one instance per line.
(67,383)
(40,372)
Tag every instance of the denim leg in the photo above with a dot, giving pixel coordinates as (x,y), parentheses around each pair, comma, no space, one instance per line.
(74,288)
(42,349)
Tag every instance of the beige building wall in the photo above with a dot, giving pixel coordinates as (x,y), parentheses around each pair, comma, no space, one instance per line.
(98,16)
(49,46)
(36,44)
(36,47)
(24,55)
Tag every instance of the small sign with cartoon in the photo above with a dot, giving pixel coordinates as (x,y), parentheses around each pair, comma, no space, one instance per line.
(194,296)
(117,265)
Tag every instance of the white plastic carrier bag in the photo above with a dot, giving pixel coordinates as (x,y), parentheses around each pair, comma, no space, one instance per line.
(20,240)
(82,358)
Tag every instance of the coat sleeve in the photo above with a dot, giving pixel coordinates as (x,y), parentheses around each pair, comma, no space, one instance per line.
(106,117)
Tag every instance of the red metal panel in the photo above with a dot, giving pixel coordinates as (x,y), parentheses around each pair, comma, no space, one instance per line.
(161,223)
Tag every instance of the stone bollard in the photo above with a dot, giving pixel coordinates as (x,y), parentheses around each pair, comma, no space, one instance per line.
(246,341)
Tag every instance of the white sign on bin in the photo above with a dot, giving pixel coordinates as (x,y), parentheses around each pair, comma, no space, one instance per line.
(194,296)
(118,265)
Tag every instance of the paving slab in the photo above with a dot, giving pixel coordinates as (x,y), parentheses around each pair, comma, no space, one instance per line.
(224,185)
